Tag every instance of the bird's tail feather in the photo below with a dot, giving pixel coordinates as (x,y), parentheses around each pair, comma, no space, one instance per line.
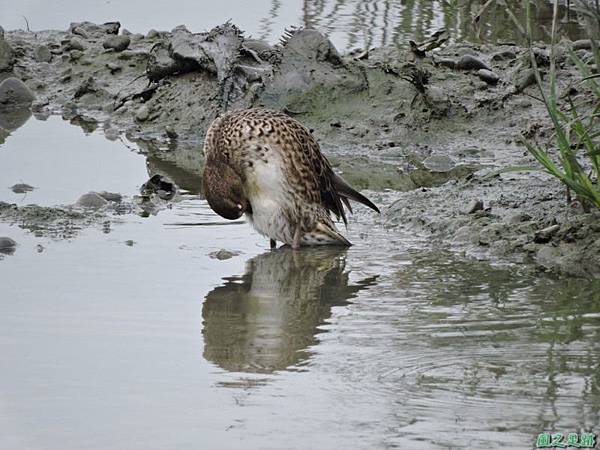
(347,192)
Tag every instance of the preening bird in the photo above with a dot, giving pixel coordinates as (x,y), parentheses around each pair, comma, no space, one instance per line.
(267,165)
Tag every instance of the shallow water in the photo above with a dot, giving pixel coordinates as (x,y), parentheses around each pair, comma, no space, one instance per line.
(348,23)
(130,335)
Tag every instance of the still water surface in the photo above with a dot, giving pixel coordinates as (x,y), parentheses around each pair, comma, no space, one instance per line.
(153,344)
(348,23)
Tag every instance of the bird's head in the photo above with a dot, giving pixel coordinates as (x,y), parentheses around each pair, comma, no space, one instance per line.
(223,189)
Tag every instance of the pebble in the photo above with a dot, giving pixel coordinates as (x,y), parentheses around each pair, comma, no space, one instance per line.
(223,254)
(473,207)
(519,217)
(7,245)
(152,34)
(7,55)
(439,163)
(13,92)
(76,44)
(488,76)
(546,234)
(75,55)
(171,133)
(583,44)
(525,79)
(111,196)
(80,32)
(91,200)
(117,43)
(142,113)
(446,62)
(504,55)
(114,68)
(470,62)
(42,54)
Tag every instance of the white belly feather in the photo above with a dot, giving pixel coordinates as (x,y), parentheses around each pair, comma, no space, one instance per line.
(267,195)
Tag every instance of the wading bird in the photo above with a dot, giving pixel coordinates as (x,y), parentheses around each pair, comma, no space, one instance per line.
(267,165)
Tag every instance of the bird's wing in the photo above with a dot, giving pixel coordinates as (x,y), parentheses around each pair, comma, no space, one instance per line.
(334,191)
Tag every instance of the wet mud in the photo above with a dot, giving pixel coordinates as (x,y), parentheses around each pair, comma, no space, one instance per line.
(424,131)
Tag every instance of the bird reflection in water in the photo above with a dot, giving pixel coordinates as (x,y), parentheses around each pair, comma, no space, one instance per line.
(266,319)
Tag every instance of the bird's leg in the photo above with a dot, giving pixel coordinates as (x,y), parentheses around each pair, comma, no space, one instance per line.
(273,243)
(296,242)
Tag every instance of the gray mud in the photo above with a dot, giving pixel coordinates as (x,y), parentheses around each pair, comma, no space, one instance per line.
(381,119)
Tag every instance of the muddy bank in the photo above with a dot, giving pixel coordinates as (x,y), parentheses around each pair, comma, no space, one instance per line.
(423,130)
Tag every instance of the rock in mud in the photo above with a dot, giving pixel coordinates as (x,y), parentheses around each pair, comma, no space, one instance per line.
(504,55)
(91,200)
(111,196)
(42,54)
(488,76)
(473,207)
(76,44)
(15,93)
(161,186)
(7,245)
(7,55)
(142,113)
(21,188)
(117,43)
(446,62)
(545,235)
(439,163)
(470,62)
(583,44)
(114,68)
(222,254)
(524,80)
(171,133)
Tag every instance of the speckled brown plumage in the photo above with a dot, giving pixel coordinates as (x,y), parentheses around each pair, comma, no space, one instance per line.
(288,184)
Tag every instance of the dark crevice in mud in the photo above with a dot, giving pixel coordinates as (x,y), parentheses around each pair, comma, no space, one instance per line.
(425,129)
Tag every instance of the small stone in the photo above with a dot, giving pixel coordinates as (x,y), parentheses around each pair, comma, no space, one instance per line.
(42,54)
(519,217)
(473,207)
(152,34)
(504,55)
(171,133)
(142,113)
(15,93)
(111,27)
(546,234)
(439,163)
(488,76)
(91,200)
(111,196)
(76,44)
(21,188)
(117,43)
(525,79)
(223,254)
(80,32)
(335,123)
(470,62)
(75,55)
(114,68)
(523,103)
(446,62)
(7,245)
(129,242)
(583,44)
(7,55)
